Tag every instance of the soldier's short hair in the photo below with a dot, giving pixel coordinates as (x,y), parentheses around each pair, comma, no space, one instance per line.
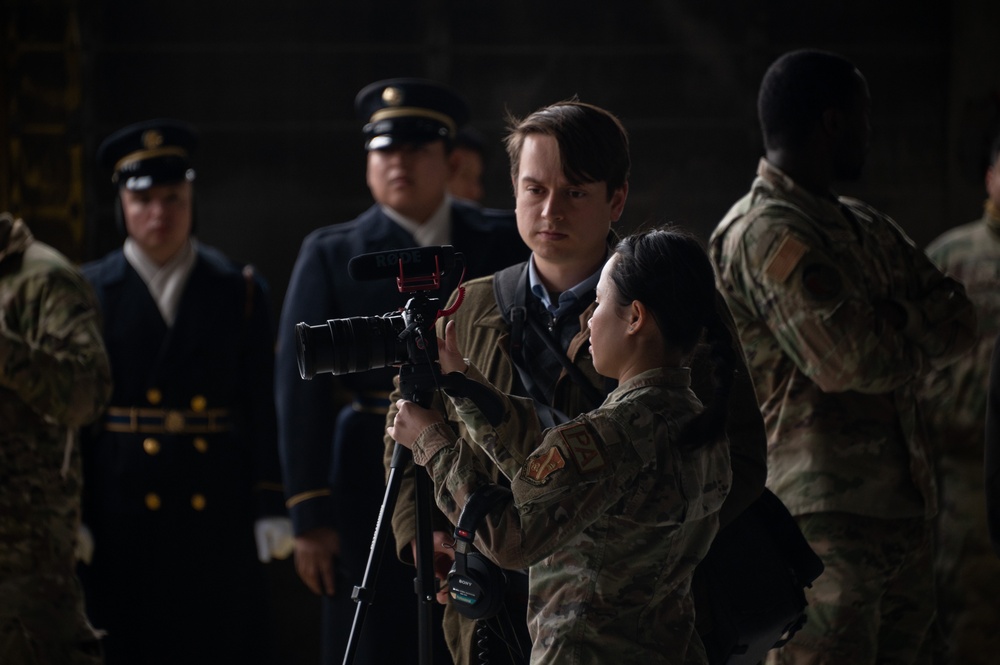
(797,88)
(593,143)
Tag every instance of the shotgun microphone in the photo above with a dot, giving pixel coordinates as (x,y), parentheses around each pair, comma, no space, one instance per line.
(412,261)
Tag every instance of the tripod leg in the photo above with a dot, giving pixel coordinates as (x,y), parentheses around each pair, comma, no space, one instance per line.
(363,594)
(425,584)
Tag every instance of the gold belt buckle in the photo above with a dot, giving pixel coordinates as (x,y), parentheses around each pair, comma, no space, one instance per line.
(173,422)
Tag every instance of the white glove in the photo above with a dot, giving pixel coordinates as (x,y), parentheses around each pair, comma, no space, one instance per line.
(274,538)
(84,544)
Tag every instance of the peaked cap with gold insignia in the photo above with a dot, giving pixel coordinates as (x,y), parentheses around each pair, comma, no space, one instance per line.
(409,110)
(149,153)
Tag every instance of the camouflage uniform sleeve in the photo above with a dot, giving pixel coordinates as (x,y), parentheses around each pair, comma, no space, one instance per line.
(819,310)
(404,516)
(521,427)
(941,320)
(571,475)
(51,351)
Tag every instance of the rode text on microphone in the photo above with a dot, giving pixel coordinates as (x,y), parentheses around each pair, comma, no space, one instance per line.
(415,268)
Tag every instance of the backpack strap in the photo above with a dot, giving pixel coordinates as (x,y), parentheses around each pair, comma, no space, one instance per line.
(510,288)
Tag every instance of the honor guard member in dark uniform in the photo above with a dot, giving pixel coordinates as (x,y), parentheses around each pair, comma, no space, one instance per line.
(183,472)
(333,473)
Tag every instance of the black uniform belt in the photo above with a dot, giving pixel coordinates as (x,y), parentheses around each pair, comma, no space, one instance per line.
(371,402)
(167,421)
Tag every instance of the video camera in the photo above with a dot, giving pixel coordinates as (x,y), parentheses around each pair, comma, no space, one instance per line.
(406,337)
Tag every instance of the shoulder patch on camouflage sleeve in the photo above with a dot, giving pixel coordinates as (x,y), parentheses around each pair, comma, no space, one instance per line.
(782,263)
(541,467)
(583,448)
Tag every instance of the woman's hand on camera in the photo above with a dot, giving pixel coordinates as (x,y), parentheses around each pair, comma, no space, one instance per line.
(449,356)
(410,421)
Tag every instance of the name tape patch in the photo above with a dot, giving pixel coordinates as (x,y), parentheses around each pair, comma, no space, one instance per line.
(583,448)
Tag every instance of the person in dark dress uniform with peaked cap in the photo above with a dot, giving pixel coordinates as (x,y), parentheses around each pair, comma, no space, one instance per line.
(334,478)
(182,489)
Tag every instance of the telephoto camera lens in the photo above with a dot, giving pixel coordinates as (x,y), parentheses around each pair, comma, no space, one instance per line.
(345,346)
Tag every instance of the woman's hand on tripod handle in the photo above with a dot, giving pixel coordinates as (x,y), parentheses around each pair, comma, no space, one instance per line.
(410,421)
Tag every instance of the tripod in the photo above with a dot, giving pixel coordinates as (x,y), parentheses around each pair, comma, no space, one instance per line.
(417,383)
(322,349)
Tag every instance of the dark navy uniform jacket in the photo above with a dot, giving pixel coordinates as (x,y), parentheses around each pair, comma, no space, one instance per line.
(320,289)
(185,460)
(331,453)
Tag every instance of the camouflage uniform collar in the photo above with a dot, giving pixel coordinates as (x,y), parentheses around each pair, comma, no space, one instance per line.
(776,177)
(819,208)
(14,236)
(666,377)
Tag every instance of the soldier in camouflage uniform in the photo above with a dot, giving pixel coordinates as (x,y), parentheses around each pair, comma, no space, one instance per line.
(966,569)
(840,315)
(54,377)
(569,169)
(612,511)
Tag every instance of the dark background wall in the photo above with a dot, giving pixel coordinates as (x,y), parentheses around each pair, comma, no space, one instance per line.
(271,87)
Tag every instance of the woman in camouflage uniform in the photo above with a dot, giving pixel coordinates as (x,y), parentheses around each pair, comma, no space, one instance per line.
(612,511)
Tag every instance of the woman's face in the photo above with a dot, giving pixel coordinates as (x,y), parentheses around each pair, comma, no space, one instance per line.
(608,326)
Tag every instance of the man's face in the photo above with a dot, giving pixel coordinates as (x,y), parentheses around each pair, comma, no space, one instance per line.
(158,219)
(855,134)
(993,182)
(409,178)
(564,224)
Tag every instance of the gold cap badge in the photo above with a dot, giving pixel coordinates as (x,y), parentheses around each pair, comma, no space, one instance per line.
(152,138)
(392,96)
